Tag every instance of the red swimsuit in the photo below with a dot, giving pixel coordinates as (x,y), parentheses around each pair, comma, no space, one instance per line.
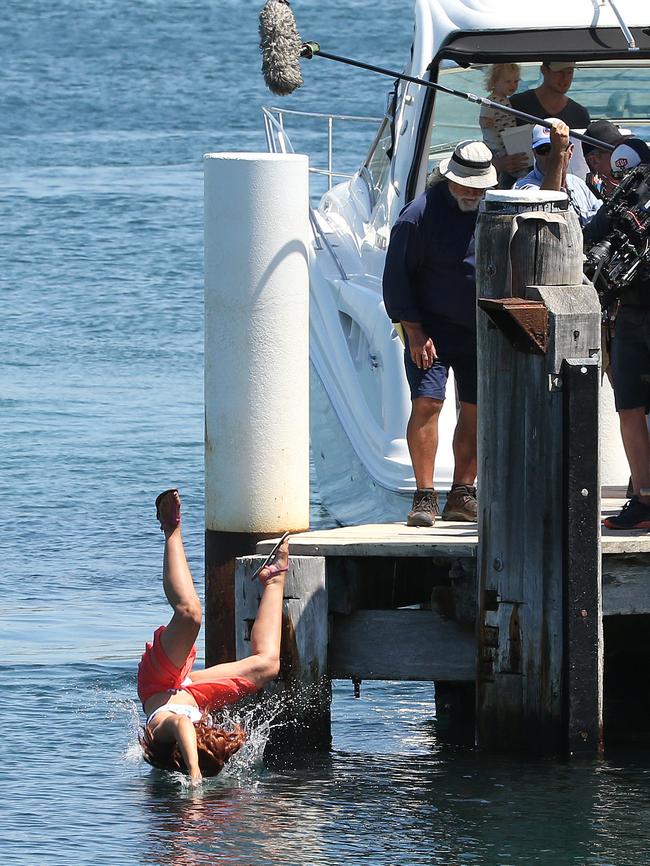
(156,674)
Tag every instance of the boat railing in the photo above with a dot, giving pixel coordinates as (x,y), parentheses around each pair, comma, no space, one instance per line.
(278,141)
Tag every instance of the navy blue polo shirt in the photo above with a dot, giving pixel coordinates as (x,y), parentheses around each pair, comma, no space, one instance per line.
(429,275)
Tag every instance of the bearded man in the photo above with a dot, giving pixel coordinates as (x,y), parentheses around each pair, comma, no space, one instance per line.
(430,289)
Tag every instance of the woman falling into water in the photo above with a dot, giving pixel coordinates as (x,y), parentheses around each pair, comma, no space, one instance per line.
(178,734)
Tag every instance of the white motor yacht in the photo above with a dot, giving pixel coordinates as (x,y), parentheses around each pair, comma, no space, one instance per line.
(359,396)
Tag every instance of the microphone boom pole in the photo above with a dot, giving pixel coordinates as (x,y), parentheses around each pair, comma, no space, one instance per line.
(282,48)
(312,49)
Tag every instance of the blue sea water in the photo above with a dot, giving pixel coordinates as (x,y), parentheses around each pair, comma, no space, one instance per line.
(107,109)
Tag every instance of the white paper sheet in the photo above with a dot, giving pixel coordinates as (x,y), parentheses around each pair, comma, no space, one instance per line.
(577,163)
(516,139)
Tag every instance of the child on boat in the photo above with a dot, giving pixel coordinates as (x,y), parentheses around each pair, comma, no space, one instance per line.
(501,81)
(178,734)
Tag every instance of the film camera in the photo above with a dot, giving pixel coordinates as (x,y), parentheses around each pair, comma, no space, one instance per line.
(624,253)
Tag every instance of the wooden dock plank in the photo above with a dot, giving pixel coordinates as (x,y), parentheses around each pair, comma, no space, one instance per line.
(446,539)
(387,539)
(626,573)
(626,586)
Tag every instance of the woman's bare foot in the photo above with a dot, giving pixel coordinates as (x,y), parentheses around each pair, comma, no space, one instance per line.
(274,572)
(168,510)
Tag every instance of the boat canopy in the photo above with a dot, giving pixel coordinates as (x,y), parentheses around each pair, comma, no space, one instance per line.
(485,31)
(561,44)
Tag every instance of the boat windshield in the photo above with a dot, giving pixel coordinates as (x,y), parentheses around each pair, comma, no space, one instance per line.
(615,90)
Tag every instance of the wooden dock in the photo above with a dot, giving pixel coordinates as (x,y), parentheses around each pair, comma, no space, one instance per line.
(626,555)
(530,621)
(388,601)
(446,538)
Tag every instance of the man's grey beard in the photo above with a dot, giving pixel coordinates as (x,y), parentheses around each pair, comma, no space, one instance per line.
(466,205)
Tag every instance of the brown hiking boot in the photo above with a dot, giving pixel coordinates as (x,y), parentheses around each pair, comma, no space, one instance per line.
(461,503)
(425,508)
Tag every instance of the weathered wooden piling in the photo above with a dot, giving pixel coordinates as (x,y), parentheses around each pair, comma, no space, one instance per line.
(256,367)
(539,683)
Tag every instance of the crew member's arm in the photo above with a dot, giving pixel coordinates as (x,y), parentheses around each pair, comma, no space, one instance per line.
(403,258)
(598,226)
(423,352)
(558,159)
(593,206)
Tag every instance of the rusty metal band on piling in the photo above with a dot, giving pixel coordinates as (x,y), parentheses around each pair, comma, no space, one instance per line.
(221,551)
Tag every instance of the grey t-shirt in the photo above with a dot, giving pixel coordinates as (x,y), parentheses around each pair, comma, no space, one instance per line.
(573,114)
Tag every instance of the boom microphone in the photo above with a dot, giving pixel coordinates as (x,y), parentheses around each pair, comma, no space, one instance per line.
(280,45)
(282,49)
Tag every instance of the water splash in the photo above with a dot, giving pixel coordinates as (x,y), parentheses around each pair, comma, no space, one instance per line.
(258,717)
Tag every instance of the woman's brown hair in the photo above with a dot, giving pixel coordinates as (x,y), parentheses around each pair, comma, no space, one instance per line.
(214,745)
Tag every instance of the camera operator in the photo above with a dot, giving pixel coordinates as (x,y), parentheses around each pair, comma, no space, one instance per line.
(630,358)
(602,183)
(600,180)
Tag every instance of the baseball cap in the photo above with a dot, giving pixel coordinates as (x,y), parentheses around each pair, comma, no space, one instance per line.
(629,154)
(559,65)
(603,130)
(540,134)
(470,165)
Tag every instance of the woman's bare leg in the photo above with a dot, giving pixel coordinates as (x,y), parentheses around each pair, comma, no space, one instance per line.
(264,663)
(267,628)
(179,636)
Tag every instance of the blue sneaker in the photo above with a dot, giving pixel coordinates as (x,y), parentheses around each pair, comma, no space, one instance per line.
(634,515)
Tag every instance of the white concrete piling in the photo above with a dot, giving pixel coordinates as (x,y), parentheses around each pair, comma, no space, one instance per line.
(256,366)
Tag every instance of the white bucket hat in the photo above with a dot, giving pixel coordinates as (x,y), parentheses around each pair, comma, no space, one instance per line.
(470,165)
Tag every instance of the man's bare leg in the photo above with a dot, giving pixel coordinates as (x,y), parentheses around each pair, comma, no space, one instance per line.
(635,514)
(636,441)
(464,445)
(422,439)
(461,500)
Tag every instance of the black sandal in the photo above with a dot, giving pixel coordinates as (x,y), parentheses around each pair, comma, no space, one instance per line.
(173,519)
(269,559)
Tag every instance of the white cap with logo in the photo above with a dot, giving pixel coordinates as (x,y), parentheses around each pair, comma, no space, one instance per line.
(541,134)
(628,155)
